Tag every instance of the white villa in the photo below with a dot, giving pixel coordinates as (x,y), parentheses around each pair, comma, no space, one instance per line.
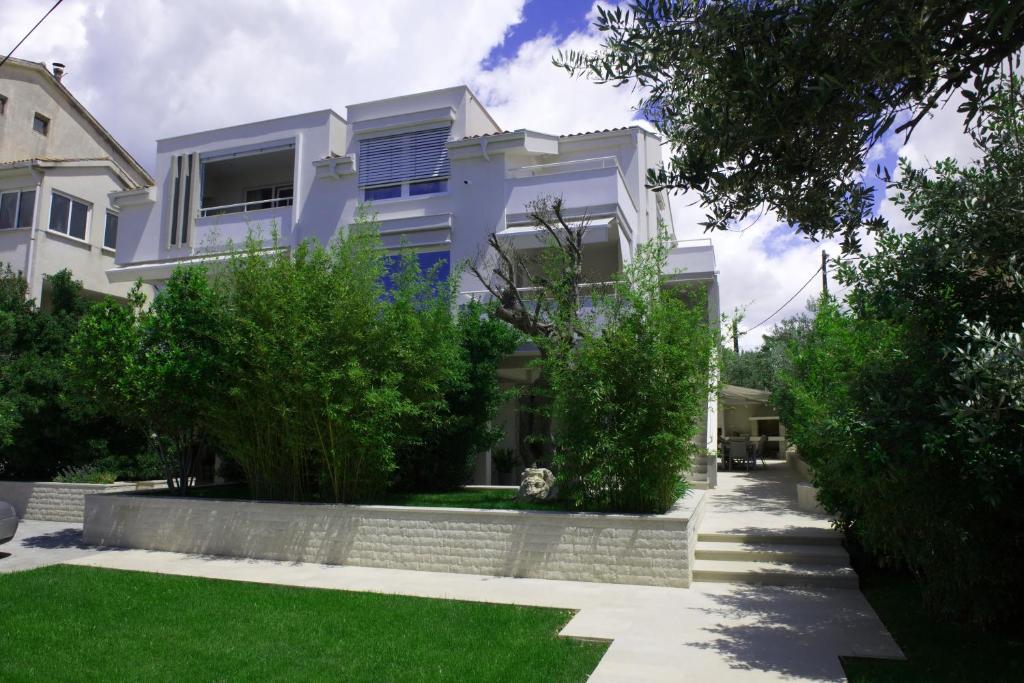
(58,166)
(441,176)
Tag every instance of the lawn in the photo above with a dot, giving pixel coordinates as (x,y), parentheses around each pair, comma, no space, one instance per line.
(100,625)
(936,652)
(485,499)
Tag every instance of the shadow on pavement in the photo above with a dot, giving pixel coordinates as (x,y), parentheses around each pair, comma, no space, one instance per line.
(65,538)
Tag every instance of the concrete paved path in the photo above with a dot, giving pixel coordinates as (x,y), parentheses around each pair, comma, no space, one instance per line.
(762,502)
(711,633)
(37,544)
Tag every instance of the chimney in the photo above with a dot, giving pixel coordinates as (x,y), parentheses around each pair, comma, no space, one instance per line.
(58,71)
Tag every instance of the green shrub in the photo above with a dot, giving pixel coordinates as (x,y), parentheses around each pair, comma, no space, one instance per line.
(629,399)
(86,474)
(310,398)
(156,368)
(40,434)
(909,402)
(342,379)
(444,456)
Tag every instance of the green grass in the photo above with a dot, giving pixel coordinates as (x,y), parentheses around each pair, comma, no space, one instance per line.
(485,499)
(86,624)
(936,652)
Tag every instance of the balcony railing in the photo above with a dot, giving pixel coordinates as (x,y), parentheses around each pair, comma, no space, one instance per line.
(563,167)
(244,206)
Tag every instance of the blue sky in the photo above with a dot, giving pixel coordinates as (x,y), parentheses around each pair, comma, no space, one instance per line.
(557,18)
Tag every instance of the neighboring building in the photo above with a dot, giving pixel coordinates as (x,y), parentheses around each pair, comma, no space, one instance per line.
(441,176)
(58,166)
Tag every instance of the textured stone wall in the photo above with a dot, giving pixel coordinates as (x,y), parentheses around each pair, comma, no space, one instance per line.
(56,502)
(634,549)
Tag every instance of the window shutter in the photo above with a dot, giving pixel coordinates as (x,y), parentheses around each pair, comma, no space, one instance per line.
(185,184)
(403,157)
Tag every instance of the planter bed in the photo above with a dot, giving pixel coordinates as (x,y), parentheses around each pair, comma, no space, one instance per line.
(612,548)
(475,497)
(58,502)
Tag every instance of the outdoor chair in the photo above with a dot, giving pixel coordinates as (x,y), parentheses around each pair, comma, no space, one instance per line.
(738,452)
(759,449)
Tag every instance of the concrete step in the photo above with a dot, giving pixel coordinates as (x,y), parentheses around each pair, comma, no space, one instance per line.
(802,537)
(699,485)
(772,552)
(775,573)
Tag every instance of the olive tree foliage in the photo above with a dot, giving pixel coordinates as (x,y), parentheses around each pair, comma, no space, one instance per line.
(156,368)
(775,103)
(908,402)
(760,368)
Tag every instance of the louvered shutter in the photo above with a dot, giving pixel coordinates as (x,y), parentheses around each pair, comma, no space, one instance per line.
(185,184)
(402,157)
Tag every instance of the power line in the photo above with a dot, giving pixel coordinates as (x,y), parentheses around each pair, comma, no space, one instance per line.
(809,280)
(4,61)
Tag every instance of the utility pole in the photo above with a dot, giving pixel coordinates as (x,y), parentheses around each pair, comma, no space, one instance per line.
(735,337)
(824,272)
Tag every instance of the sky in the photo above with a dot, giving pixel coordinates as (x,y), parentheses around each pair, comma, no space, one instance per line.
(149,69)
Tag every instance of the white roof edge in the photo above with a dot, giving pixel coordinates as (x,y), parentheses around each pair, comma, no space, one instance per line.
(394,98)
(222,129)
(734,391)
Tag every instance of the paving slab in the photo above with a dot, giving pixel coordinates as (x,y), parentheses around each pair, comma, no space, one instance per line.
(712,632)
(38,544)
(761,502)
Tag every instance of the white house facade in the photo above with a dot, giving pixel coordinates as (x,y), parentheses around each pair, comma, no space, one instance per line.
(58,167)
(436,169)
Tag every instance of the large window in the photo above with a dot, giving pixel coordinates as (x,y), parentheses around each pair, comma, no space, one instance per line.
(404,164)
(17,209)
(110,231)
(68,216)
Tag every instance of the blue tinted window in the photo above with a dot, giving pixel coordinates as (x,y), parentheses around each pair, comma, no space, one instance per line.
(427,260)
(385,192)
(428,187)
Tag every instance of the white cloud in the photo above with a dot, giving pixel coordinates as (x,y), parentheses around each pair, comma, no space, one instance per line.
(939,136)
(528,91)
(154,68)
(761,265)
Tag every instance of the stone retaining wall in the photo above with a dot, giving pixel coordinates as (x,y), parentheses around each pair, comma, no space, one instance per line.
(633,549)
(57,502)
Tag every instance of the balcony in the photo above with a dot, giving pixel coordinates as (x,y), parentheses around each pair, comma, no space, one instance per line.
(243,192)
(691,260)
(594,186)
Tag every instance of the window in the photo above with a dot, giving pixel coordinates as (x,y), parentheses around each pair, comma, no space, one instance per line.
(110,231)
(404,157)
(384,192)
(68,216)
(428,187)
(3,104)
(41,124)
(268,197)
(17,209)
(284,195)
